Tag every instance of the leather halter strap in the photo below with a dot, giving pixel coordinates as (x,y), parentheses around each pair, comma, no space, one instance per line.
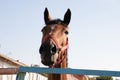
(59,47)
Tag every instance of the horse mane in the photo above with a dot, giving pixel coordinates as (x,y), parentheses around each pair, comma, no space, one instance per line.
(56,21)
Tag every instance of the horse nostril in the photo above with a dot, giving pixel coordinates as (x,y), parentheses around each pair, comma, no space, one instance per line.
(41,49)
(53,49)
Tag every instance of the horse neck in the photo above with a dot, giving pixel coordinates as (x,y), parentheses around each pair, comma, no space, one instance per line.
(59,76)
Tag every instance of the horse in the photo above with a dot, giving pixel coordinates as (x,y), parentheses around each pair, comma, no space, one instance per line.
(54,44)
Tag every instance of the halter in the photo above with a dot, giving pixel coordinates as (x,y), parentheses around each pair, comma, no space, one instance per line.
(59,48)
(56,42)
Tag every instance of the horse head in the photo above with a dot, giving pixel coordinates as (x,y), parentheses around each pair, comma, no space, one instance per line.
(55,38)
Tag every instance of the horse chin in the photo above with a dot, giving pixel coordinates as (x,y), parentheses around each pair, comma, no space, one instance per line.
(47,63)
(49,60)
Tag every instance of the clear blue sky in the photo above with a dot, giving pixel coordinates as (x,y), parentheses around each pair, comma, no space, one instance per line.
(94,31)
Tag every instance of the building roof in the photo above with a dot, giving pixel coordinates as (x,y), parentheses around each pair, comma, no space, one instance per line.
(10,60)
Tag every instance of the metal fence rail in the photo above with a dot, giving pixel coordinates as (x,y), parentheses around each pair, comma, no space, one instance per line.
(22,71)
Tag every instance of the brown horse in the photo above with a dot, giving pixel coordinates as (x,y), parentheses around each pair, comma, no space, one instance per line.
(54,45)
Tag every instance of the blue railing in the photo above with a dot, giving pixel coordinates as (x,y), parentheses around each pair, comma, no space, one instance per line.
(22,71)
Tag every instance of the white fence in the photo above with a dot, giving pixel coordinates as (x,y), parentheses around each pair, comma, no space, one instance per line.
(11,73)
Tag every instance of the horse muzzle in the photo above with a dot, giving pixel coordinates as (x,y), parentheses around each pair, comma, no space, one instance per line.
(49,54)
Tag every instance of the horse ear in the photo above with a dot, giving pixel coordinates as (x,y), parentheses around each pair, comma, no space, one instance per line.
(46,16)
(67,17)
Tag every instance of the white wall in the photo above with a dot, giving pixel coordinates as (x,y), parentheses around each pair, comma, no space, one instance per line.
(29,76)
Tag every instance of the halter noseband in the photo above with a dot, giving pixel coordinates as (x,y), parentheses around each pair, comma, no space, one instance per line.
(56,42)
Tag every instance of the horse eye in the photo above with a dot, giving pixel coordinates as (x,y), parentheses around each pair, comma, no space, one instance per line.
(42,30)
(66,32)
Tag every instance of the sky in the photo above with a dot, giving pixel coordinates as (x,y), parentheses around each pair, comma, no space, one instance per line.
(94,31)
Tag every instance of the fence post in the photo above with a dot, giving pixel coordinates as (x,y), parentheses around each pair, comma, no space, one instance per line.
(20,76)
